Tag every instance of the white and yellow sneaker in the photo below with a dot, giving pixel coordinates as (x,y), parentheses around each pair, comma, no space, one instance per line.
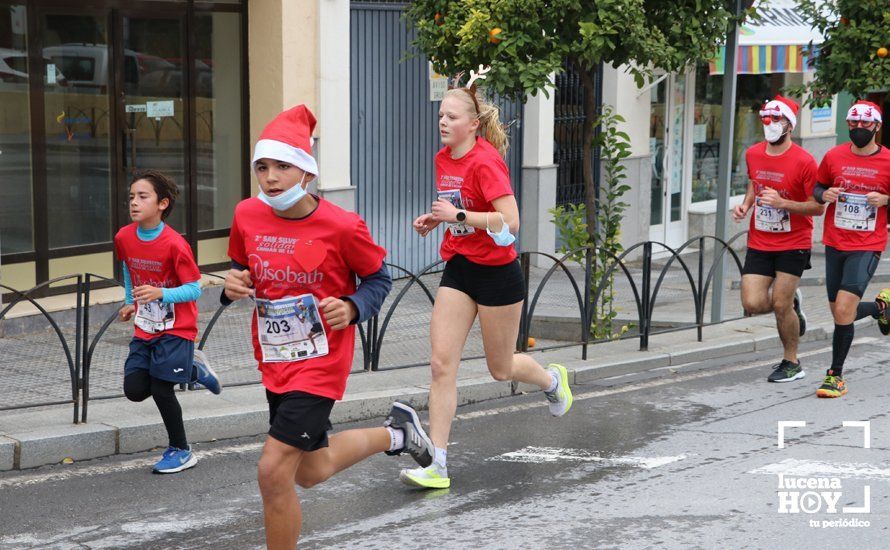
(561,397)
(431,477)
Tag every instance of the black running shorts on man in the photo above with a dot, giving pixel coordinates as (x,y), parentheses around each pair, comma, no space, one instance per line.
(850,271)
(300,419)
(487,285)
(792,262)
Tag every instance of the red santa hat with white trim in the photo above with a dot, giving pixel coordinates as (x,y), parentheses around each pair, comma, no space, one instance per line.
(781,106)
(864,110)
(289,138)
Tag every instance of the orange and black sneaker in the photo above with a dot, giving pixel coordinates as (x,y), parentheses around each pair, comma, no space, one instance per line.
(832,386)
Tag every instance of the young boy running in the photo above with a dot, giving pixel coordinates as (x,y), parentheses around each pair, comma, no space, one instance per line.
(161,277)
(297,255)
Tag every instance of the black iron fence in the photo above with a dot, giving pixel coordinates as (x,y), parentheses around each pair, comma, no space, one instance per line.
(565,289)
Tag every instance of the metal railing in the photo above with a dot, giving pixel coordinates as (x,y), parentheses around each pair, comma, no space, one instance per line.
(582,295)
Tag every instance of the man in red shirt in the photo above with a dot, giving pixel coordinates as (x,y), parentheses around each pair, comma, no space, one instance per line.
(782,176)
(854,180)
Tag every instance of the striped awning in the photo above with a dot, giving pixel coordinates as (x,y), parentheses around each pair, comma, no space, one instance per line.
(766,59)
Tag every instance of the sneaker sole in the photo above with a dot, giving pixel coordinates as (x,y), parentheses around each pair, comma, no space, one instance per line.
(189,464)
(409,480)
(564,380)
(416,420)
(829,395)
(797,376)
(207,366)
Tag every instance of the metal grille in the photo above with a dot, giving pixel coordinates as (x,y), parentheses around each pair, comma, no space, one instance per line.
(395,136)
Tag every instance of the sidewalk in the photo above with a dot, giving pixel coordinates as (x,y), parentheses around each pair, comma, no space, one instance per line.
(45,435)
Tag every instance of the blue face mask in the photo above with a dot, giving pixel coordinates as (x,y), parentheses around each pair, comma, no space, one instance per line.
(502,237)
(285,200)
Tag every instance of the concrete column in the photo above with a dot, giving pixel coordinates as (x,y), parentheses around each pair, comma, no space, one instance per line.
(537,232)
(333,103)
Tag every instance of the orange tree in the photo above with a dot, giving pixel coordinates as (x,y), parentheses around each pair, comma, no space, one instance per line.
(853,57)
(525,41)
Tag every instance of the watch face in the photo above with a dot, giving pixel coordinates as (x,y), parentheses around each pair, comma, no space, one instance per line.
(461,216)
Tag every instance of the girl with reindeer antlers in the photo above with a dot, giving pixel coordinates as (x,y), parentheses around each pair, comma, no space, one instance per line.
(482,274)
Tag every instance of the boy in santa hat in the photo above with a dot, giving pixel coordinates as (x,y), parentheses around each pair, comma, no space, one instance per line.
(854,180)
(782,176)
(289,249)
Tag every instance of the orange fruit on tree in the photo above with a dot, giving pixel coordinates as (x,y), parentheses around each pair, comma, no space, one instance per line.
(494,35)
(438,19)
(531,341)
(882,52)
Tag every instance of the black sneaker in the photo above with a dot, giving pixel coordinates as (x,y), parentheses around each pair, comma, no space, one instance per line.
(417,443)
(786,371)
(798,309)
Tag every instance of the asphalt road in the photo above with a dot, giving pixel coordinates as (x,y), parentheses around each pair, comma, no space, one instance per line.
(678,458)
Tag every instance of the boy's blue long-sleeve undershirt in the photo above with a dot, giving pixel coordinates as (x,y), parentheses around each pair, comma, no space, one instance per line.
(188,292)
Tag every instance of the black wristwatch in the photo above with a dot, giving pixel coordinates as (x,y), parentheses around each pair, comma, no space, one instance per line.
(461,216)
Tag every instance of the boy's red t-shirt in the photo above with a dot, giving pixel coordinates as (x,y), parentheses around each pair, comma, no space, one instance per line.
(857,175)
(793,175)
(165,262)
(480,177)
(320,255)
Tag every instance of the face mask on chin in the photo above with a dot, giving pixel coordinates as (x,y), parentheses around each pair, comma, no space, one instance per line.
(283,201)
(862,136)
(774,132)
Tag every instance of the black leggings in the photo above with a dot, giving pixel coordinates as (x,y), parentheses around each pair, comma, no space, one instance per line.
(138,386)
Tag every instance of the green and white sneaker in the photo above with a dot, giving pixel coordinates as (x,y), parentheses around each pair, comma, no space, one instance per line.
(561,397)
(431,477)
(883,321)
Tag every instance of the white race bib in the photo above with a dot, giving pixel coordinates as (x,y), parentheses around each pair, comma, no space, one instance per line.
(155,317)
(853,213)
(290,329)
(458,229)
(773,220)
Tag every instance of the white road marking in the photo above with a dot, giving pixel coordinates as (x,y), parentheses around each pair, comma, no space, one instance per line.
(816,468)
(539,455)
(102,469)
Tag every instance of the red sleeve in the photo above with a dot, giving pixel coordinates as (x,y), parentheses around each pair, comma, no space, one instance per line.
(808,176)
(236,242)
(823,175)
(363,256)
(493,179)
(185,266)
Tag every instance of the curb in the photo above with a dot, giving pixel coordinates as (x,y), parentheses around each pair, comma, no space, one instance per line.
(87,441)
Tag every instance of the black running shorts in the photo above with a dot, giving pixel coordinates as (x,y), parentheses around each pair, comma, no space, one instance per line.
(487,285)
(300,419)
(792,262)
(850,271)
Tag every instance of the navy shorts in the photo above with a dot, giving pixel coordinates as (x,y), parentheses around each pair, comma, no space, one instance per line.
(166,357)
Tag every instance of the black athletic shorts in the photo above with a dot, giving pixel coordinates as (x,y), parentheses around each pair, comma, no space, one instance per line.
(850,271)
(300,419)
(792,262)
(487,285)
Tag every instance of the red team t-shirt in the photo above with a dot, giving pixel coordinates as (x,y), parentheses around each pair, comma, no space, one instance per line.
(471,183)
(319,255)
(857,175)
(165,262)
(793,175)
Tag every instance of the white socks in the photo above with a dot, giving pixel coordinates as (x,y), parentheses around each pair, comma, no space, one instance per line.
(440,458)
(554,382)
(396,438)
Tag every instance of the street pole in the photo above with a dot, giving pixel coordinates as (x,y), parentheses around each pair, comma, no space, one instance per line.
(724,166)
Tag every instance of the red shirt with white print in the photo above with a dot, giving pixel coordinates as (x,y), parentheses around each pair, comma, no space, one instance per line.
(793,175)
(165,262)
(857,175)
(320,255)
(472,182)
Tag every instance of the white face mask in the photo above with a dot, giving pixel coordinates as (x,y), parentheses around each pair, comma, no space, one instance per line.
(773,131)
(285,200)
(502,237)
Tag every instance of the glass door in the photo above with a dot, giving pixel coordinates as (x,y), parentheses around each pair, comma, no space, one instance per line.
(667,144)
(152,77)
